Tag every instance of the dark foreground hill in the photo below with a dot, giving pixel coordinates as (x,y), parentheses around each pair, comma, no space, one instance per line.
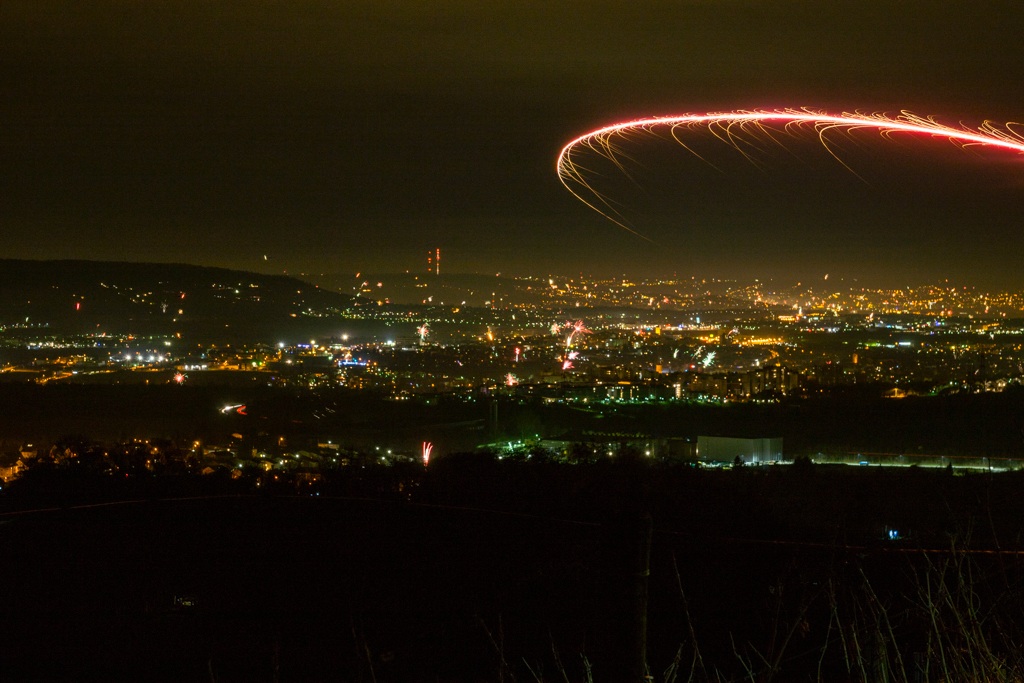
(156,298)
(480,570)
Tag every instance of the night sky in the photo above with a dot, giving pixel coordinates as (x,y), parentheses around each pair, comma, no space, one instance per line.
(330,136)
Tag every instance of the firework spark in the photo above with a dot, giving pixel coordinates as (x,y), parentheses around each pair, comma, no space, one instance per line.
(568,355)
(576,328)
(737,128)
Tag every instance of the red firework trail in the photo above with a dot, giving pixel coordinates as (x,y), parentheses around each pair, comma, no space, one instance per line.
(733,127)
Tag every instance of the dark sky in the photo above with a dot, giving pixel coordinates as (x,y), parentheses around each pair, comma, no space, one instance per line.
(343,136)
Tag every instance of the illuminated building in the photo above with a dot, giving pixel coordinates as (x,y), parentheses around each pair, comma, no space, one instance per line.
(733,449)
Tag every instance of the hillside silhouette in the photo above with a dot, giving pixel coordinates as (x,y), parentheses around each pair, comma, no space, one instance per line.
(156,298)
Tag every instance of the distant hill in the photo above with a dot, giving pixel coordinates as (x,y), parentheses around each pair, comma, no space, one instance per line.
(151,298)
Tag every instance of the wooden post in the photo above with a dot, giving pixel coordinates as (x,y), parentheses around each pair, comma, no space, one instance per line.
(641,575)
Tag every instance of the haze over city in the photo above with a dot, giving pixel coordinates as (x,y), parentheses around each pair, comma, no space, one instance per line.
(318,137)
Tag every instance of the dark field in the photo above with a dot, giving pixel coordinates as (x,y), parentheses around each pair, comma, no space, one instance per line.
(858,420)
